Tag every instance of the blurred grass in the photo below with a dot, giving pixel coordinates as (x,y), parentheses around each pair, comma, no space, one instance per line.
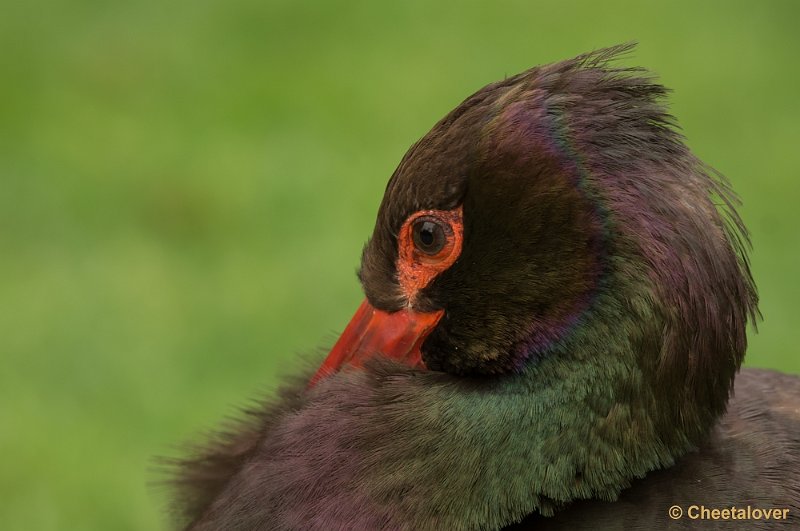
(186,189)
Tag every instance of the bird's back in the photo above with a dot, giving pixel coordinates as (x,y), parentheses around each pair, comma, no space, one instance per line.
(752,459)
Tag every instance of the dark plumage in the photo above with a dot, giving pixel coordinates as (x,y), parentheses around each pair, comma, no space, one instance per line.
(584,305)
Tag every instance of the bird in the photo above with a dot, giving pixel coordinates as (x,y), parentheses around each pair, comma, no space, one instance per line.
(557,300)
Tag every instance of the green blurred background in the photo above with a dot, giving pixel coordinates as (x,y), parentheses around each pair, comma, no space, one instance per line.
(186,188)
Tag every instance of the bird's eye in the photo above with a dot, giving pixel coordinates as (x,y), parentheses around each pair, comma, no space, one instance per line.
(428,243)
(430,235)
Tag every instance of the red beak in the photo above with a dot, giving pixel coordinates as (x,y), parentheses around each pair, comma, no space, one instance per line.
(373,332)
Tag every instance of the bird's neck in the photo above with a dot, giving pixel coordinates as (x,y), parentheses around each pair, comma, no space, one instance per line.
(541,438)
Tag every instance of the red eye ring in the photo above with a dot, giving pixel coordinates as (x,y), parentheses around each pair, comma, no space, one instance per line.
(420,259)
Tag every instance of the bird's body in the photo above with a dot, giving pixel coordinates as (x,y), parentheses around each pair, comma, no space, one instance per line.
(556,310)
(751,460)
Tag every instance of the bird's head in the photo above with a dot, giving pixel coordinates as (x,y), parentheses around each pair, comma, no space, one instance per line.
(554,233)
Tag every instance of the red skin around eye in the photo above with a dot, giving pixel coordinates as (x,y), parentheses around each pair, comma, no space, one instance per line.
(415,269)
